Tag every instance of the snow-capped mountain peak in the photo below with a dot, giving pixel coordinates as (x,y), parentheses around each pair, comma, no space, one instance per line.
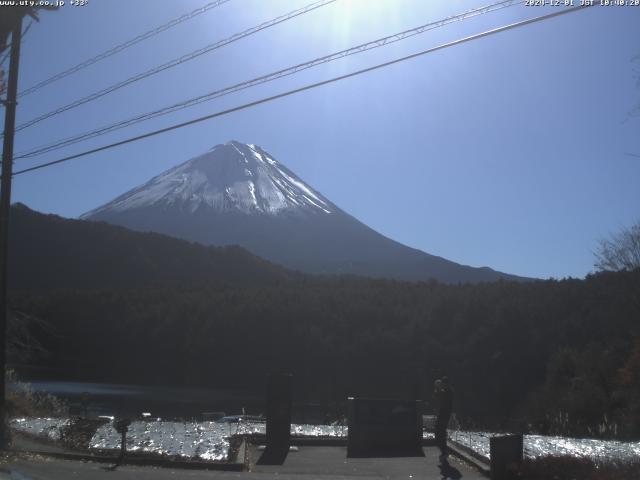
(238,194)
(231,177)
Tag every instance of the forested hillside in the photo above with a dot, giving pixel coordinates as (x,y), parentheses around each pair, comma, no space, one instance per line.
(48,251)
(556,356)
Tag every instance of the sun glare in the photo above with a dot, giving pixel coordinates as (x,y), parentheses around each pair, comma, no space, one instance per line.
(350,16)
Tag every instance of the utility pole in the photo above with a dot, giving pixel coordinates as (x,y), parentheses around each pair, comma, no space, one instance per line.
(5,206)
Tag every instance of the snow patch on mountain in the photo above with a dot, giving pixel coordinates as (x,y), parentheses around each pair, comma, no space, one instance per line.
(233,177)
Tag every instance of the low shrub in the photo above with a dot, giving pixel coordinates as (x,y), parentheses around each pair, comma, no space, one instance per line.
(23,401)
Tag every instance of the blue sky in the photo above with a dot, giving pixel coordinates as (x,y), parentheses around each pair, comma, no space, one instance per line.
(514,151)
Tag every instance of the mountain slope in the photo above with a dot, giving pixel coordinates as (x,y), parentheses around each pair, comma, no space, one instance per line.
(239,194)
(47,251)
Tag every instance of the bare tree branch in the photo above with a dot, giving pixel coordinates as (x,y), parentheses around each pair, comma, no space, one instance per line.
(621,251)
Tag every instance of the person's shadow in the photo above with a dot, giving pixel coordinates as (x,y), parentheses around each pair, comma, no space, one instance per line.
(448,472)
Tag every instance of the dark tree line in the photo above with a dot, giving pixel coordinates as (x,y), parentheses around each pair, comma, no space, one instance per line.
(552,356)
(109,304)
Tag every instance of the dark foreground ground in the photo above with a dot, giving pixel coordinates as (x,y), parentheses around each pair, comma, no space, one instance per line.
(308,462)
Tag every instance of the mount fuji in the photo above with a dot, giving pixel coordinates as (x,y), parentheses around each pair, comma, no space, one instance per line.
(239,194)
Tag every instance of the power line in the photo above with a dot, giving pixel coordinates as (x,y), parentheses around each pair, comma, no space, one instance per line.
(175,62)
(122,46)
(304,88)
(266,78)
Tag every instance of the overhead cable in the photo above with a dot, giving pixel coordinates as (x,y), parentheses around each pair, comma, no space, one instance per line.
(304,88)
(265,78)
(122,46)
(174,62)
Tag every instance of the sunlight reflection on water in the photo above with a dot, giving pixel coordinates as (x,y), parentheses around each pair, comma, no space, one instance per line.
(542,446)
(210,440)
(198,440)
(50,428)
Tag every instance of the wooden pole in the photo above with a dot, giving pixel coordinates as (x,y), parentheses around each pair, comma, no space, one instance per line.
(5,207)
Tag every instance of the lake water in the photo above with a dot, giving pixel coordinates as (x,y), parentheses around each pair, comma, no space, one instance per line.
(209,440)
(164,402)
(542,445)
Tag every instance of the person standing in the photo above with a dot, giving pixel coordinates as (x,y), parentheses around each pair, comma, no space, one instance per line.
(444,401)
